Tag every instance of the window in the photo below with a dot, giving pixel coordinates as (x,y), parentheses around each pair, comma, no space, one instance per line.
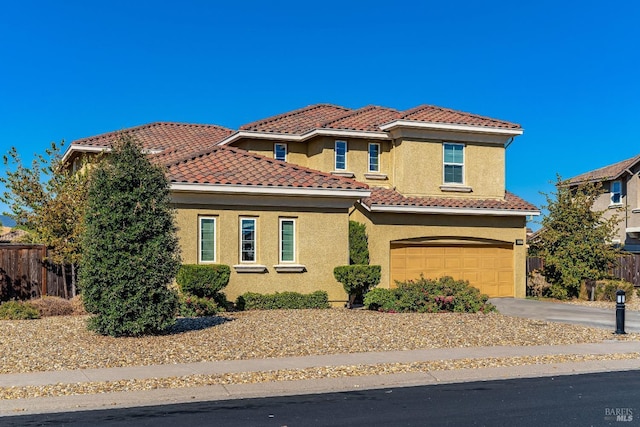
(280,152)
(247,239)
(374,157)
(616,192)
(453,163)
(341,155)
(207,239)
(287,240)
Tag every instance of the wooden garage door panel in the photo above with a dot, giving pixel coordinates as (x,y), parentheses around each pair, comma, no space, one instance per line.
(489,268)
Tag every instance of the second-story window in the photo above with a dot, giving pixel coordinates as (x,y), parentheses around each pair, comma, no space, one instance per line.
(616,192)
(374,157)
(341,155)
(280,151)
(453,163)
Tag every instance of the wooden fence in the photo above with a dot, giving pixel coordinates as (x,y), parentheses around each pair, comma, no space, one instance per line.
(627,268)
(24,273)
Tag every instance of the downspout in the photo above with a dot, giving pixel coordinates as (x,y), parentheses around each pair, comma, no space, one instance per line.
(509,142)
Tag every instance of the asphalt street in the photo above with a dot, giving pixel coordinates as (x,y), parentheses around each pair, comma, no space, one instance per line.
(575,400)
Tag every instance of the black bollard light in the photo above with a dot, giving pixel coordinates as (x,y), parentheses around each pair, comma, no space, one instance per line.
(620,299)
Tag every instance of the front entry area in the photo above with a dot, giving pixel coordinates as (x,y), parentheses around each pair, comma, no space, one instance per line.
(487,267)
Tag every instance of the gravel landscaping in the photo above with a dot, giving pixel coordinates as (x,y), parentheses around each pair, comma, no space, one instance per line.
(62,343)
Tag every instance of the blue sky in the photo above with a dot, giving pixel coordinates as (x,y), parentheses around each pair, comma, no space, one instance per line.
(566,71)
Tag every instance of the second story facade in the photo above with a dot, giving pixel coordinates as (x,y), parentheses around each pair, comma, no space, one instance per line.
(426,151)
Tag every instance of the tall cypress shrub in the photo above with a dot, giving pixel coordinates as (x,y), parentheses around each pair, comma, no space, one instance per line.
(130,246)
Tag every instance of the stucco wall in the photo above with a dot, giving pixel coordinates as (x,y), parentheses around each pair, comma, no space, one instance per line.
(419,170)
(383,228)
(321,244)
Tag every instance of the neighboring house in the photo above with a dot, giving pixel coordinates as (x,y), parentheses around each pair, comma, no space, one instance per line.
(621,196)
(274,198)
(12,235)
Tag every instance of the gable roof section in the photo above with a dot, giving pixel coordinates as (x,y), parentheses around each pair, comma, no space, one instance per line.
(435,114)
(234,166)
(370,122)
(386,200)
(368,118)
(166,140)
(605,173)
(299,121)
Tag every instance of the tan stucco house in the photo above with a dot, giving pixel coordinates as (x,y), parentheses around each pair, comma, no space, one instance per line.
(273,199)
(620,196)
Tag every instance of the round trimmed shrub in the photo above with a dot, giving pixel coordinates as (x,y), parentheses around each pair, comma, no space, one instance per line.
(203,280)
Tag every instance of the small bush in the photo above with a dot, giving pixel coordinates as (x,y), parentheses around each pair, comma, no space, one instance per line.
(429,296)
(194,306)
(357,279)
(537,285)
(380,299)
(52,306)
(282,300)
(203,280)
(18,310)
(606,289)
(558,291)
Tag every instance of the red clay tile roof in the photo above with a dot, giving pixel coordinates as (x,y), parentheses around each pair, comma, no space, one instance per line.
(234,166)
(174,139)
(387,197)
(364,119)
(298,121)
(326,116)
(434,114)
(605,173)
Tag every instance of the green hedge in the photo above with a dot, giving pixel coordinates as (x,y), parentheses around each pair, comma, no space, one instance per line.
(203,280)
(282,300)
(429,296)
(357,279)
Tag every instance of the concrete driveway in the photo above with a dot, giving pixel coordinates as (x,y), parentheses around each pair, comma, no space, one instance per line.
(566,313)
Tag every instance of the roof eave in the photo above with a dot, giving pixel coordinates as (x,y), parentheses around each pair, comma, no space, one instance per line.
(449,211)
(72,149)
(450,127)
(344,133)
(270,190)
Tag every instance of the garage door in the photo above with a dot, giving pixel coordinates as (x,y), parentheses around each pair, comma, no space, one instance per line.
(488,268)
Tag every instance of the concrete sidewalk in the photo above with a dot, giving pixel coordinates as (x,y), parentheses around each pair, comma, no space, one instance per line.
(236,391)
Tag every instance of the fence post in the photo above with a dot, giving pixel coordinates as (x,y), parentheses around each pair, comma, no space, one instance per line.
(44,271)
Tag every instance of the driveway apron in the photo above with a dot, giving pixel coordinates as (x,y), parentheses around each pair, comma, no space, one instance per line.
(566,313)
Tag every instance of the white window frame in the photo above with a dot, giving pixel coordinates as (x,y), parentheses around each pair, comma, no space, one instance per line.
(373,144)
(613,193)
(295,256)
(445,163)
(255,240)
(335,150)
(215,239)
(275,151)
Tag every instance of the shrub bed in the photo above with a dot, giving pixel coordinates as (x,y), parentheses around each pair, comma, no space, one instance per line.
(429,296)
(194,306)
(282,300)
(18,310)
(605,290)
